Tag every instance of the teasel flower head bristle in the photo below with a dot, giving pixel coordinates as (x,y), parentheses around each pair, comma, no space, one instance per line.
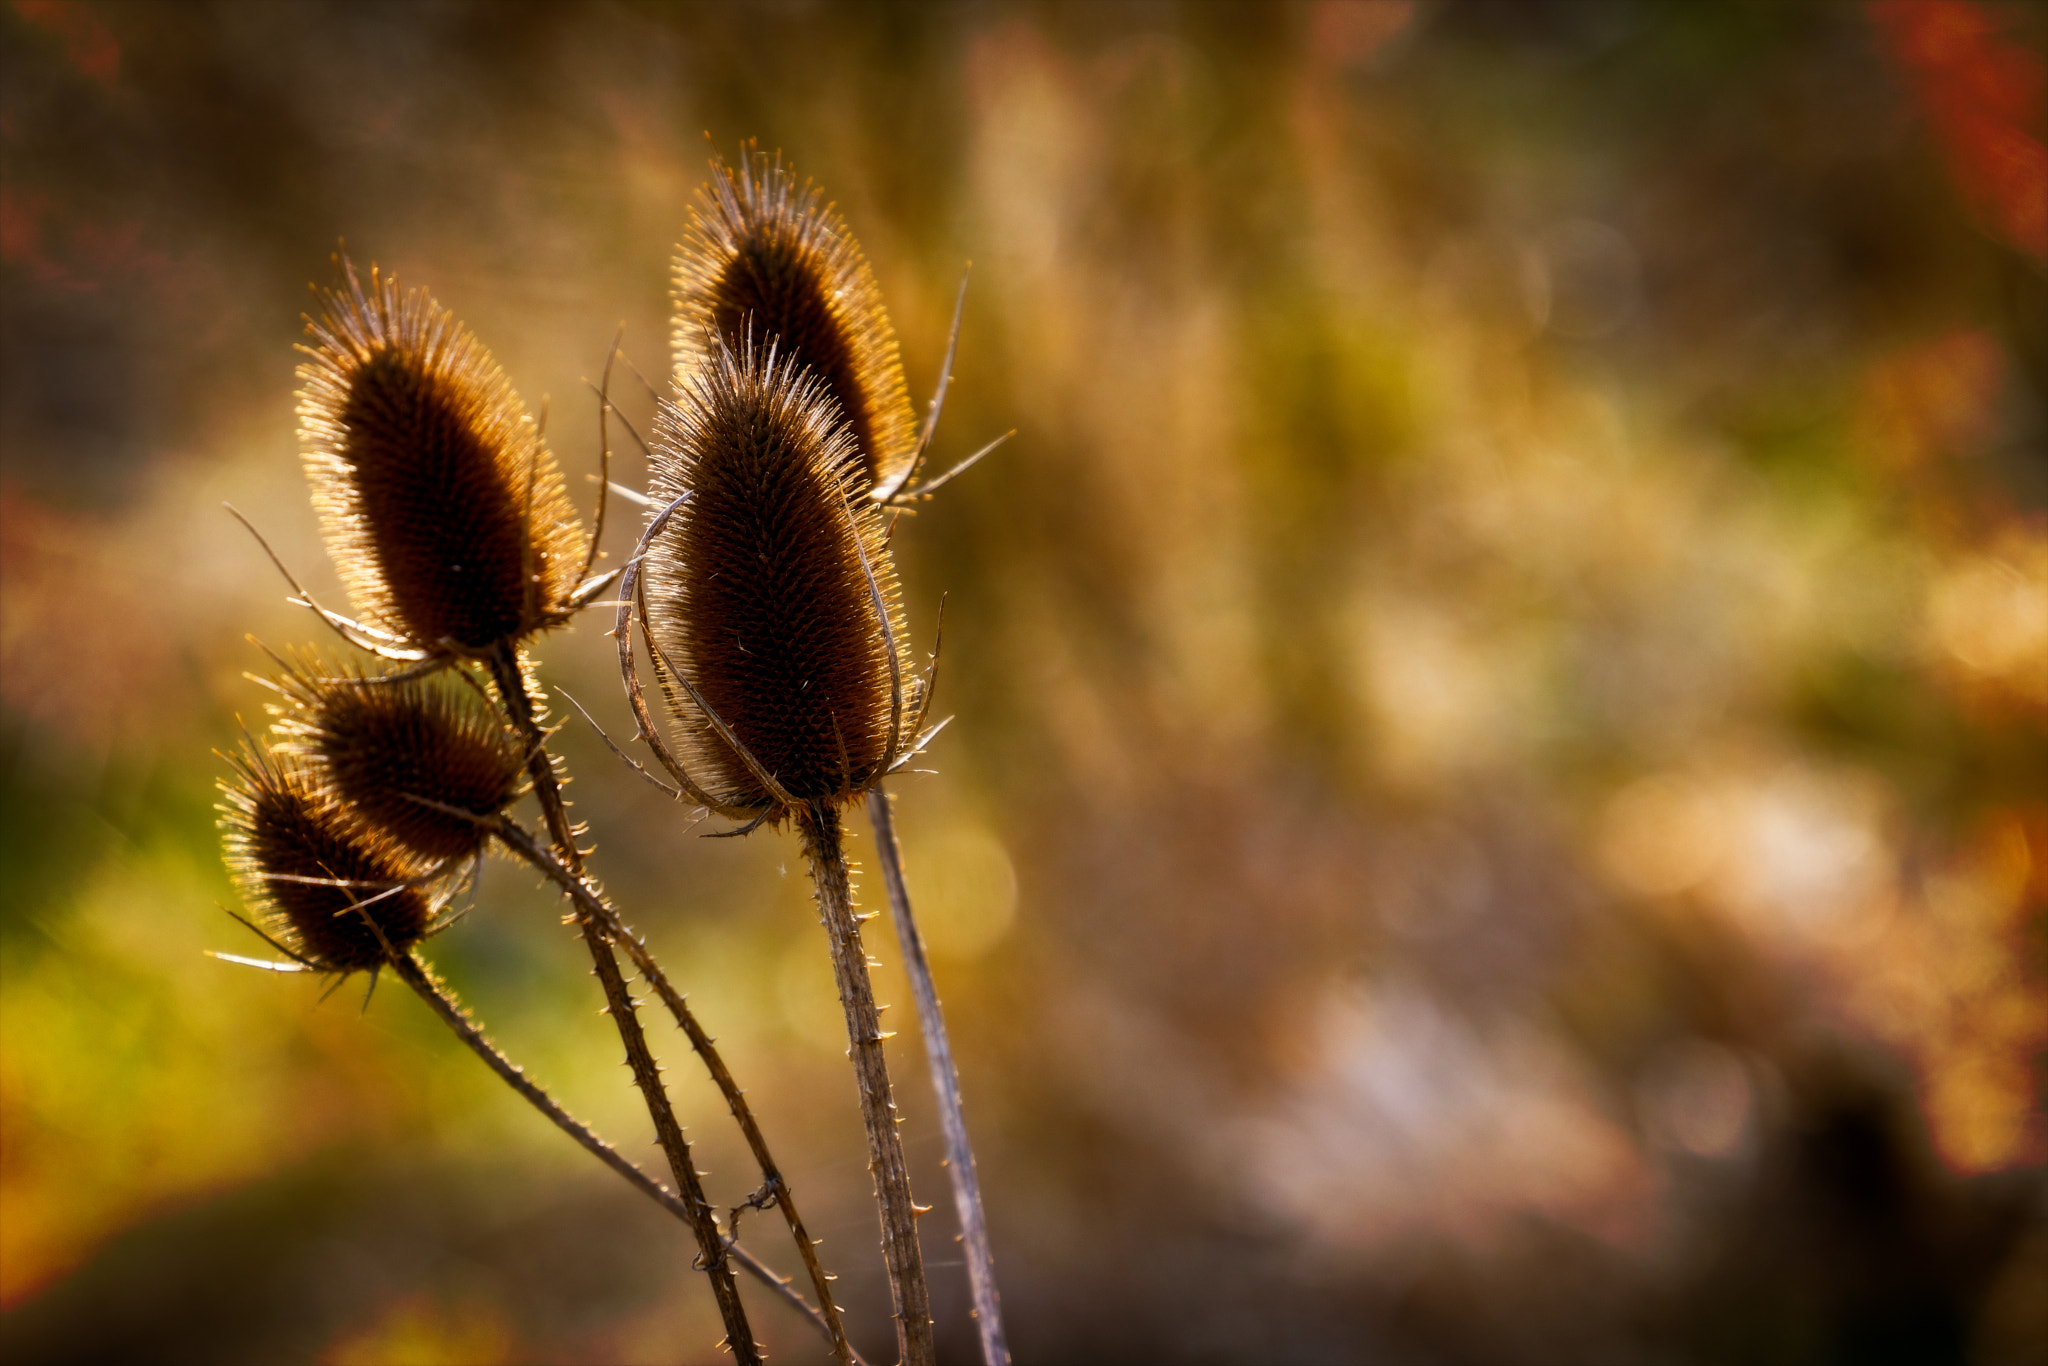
(443,511)
(408,757)
(312,873)
(764,251)
(763,589)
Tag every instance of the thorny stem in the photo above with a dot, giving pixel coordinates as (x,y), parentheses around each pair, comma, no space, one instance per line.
(820,827)
(415,973)
(593,903)
(981,1273)
(509,674)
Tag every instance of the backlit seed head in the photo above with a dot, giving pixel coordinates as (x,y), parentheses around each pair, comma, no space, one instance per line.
(288,840)
(763,250)
(756,590)
(405,757)
(440,504)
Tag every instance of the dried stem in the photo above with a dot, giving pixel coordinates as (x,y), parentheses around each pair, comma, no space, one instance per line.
(591,902)
(981,1274)
(820,827)
(508,673)
(415,973)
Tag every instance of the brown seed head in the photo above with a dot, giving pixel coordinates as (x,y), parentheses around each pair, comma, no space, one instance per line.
(756,589)
(762,249)
(282,828)
(443,510)
(401,755)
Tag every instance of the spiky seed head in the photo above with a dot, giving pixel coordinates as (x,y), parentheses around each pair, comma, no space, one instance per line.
(763,249)
(756,590)
(445,514)
(406,757)
(289,841)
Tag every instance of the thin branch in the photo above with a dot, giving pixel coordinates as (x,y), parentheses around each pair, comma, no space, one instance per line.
(634,496)
(819,825)
(593,903)
(637,599)
(881,605)
(612,745)
(930,486)
(733,742)
(415,973)
(624,421)
(604,452)
(509,674)
(886,493)
(981,1273)
(374,642)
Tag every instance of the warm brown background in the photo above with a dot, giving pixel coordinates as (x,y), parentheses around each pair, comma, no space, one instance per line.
(1495,814)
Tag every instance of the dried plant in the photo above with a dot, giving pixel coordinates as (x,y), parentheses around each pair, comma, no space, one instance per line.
(452,531)
(764,259)
(769,605)
(441,507)
(328,891)
(766,252)
(771,594)
(768,600)
(423,762)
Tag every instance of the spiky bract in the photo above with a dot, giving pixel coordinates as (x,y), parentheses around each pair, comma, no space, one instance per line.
(445,514)
(311,873)
(756,589)
(761,249)
(407,757)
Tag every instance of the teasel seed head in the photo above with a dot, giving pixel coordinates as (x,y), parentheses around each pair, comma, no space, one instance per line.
(310,872)
(407,757)
(758,590)
(443,511)
(763,250)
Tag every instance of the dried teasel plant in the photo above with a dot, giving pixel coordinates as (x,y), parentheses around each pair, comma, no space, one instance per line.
(766,259)
(426,763)
(768,601)
(336,895)
(771,595)
(444,513)
(450,527)
(455,539)
(328,891)
(764,253)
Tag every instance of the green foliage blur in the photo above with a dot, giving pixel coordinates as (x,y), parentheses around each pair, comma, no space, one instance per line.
(1495,811)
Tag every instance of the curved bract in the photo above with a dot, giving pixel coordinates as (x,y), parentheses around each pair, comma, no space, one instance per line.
(765,254)
(445,515)
(763,591)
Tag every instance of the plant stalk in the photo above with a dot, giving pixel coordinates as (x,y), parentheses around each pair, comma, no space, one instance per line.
(415,973)
(509,674)
(592,902)
(820,828)
(981,1274)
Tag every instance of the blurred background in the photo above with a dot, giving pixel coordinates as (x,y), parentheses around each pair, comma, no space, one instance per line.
(1496,809)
